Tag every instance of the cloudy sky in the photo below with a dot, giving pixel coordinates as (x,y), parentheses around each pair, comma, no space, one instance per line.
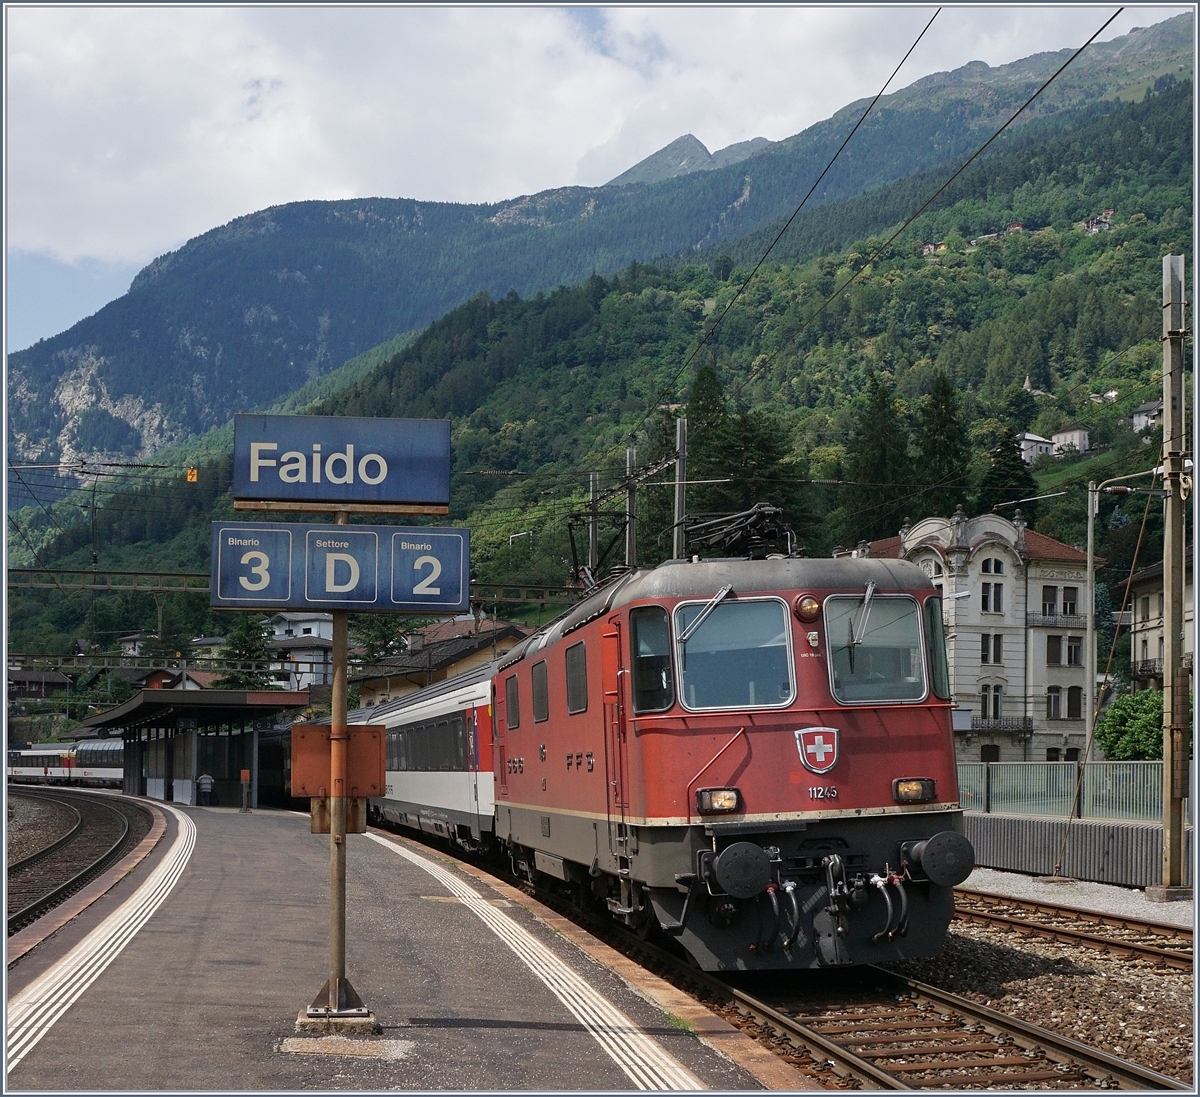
(131,129)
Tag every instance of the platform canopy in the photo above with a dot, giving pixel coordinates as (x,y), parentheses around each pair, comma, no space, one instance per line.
(184,709)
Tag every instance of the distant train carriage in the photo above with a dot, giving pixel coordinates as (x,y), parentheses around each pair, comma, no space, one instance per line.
(93,763)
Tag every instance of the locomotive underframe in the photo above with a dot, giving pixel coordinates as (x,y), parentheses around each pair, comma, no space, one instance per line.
(665,874)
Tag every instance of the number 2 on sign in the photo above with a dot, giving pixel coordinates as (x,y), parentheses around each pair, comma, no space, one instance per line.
(425,585)
(259,562)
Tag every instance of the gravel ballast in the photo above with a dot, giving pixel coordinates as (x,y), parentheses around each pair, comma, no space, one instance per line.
(34,824)
(1130,1008)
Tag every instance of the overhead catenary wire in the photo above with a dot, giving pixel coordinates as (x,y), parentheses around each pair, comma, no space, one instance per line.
(779,236)
(937,193)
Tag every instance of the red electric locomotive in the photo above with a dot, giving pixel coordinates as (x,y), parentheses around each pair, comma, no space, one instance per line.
(755,754)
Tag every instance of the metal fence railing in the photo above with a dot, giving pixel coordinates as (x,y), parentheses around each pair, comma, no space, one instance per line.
(1109,790)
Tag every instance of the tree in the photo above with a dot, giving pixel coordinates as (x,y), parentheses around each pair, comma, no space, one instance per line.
(246,648)
(1008,479)
(943,456)
(1131,728)
(877,461)
(382,635)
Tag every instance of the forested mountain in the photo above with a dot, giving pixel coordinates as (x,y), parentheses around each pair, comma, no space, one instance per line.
(900,386)
(246,313)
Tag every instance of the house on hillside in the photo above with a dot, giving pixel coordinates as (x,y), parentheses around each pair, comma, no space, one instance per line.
(1014,609)
(35,685)
(1033,446)
(1074,436)
(1147,416)
(436,653)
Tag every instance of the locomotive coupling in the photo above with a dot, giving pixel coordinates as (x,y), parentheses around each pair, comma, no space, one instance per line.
(946,859)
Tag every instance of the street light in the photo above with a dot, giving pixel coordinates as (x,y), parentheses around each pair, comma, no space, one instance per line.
(1089,642)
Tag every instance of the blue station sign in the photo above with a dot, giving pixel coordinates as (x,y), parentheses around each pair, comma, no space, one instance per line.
(363,569)
(339,459)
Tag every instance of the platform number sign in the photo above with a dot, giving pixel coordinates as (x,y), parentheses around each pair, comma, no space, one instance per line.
(381,569)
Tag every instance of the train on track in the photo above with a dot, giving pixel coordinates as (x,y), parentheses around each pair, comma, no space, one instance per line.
(754,757)
(98,763)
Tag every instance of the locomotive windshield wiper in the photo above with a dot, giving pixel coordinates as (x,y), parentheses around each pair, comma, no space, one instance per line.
(856,636)
(700,617)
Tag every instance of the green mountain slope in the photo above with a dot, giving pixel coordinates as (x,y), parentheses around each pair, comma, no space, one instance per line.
(545,388)
(245,314)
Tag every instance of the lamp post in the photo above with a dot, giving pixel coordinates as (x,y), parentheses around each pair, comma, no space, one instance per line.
(1089,642)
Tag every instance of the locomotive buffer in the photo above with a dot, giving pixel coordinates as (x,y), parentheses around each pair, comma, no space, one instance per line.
(307,464)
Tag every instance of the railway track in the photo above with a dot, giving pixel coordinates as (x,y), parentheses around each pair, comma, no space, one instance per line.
(868,1028)
(1158,942)
(105,828)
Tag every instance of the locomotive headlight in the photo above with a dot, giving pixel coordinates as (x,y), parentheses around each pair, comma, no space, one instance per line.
(712,801)
(913,790)
(806,607)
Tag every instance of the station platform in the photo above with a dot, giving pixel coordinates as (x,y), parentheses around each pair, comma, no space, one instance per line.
(188,974)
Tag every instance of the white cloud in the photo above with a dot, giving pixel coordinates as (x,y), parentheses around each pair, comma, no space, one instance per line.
(133,128)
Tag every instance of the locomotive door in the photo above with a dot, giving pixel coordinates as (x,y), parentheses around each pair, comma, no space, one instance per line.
(615,775)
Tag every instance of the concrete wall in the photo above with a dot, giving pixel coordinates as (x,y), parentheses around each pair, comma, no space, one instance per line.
(1105,851)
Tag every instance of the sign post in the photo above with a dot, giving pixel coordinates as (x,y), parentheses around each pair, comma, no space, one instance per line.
(320,464)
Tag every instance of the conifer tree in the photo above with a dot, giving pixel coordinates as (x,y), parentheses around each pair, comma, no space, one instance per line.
(1008,479)
(877,461)
(246,648)
(943,455)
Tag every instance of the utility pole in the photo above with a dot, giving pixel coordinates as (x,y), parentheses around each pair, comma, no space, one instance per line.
(680,545)
(1175,678)
(594,525)
(631,508)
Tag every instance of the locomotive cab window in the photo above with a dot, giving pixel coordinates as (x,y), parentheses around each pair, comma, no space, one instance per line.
(875,648)
(935,641)
(576,661)
(650,639)
(734,654)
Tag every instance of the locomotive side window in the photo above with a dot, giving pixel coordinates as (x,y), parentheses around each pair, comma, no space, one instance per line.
(650,639)
(935,641)
(512,702)
(875,648)
(541,695)
(737,655)
(576,678)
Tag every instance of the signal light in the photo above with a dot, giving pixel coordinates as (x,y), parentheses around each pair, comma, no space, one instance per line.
(714,801)
(913,790)
(806,607)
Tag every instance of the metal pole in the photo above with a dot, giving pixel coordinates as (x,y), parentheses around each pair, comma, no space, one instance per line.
(680,546)
(1175,679)
(1089,643)
(594,526)
(630,510)
(339,739)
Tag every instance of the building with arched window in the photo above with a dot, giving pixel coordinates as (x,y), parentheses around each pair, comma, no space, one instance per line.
(1014,609)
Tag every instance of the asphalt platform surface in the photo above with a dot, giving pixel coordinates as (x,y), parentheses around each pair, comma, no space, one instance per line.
(205,997)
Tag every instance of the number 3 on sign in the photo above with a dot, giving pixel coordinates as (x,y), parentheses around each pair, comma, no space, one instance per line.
(259,563)
(425,586)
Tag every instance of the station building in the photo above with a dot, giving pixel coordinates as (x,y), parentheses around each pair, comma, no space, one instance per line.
(1014,606)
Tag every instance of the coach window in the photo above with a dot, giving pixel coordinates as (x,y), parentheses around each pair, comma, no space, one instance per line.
(875,648)
(541,695)
(576,678)
(512,702)
(734,654)
(650,639)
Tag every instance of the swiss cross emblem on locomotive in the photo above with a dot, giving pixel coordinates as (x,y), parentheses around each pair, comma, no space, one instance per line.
(818,748)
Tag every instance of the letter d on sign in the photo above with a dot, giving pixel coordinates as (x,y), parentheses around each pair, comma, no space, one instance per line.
(332,586)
